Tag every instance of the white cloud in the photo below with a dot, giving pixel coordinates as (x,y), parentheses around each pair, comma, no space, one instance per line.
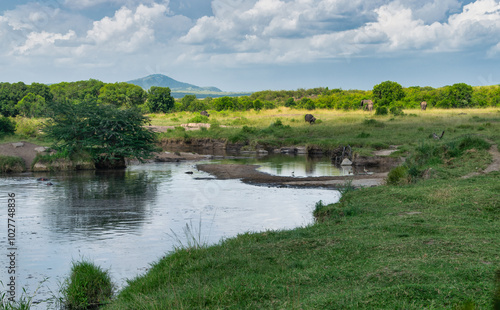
(307,30)
(127,30)
(41,40)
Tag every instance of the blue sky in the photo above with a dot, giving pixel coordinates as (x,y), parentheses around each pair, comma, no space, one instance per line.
(250,45)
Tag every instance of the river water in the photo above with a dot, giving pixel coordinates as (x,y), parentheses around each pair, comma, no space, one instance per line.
(125,220)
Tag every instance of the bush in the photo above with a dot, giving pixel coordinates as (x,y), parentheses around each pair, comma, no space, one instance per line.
(397,111)
(7,126)
(373,122)
(28,127)
(397,176)
(381,111)
(87,286)
(363,135)
(11,164)
(198,119)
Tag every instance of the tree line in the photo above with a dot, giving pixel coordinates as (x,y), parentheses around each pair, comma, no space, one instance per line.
(34,100)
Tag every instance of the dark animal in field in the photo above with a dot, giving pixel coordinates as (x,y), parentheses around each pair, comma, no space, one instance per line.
(42,179)
(436,136)
(367,105)
(310,118)
(423,105)
(205,113)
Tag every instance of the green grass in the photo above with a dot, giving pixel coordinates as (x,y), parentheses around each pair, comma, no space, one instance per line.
(11,164)
(418,244)
(87,287)
(433,245)
(362,130)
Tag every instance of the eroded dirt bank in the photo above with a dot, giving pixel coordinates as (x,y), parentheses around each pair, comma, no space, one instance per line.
(249,174)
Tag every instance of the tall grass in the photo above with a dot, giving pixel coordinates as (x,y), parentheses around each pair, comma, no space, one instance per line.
(88,287)
(11,164)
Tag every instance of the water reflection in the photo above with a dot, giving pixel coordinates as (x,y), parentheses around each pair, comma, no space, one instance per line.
(293,165)
(124,220)
(98,201)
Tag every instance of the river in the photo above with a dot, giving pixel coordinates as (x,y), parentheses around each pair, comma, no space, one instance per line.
(125,220)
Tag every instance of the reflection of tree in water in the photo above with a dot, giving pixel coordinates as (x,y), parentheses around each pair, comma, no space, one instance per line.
(101,201)
(311,164)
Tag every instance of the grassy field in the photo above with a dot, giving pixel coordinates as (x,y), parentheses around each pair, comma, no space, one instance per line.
(427,244)
(359,129)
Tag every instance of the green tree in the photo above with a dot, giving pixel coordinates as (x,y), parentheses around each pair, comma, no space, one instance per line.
(79,90)
(257,105)
(290,102)
(10,94)
(122,95)
(31,106)
(387,92)
(307,103)
(460,95)
(160,99)
(187,101)
(105,132)
(225,103)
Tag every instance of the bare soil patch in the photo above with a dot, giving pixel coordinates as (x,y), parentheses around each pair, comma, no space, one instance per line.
(26,151)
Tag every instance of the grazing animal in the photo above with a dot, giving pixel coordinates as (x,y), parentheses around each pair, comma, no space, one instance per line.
(205,113)
(49,183)
(310,118)
(367,105)
(436,136)
(423,105)
(42,179)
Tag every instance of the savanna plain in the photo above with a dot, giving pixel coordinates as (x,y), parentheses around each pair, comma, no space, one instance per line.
(427,239)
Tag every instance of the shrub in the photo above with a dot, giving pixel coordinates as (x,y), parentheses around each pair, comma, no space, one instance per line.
(198,119)
(28,127)
(397,111)
(7,126)
(87,286)
(11,164)
(381,111)
(397,176)
(373,122)
(363,135)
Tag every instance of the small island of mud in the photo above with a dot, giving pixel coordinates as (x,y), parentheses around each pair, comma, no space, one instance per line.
(249,174)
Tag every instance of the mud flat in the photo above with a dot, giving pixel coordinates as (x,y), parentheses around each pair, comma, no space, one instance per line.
(250,174)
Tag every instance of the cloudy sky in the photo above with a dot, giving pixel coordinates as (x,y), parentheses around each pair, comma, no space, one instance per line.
(249,45)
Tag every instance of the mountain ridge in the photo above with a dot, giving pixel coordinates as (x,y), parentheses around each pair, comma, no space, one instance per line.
(162,80)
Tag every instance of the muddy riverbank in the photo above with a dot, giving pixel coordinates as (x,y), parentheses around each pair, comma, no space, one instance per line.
(249,174)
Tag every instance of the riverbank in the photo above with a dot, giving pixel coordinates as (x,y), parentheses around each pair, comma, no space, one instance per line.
(249,174)
(427,245)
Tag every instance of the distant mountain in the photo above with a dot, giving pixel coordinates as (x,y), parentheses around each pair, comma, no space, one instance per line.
(165,81)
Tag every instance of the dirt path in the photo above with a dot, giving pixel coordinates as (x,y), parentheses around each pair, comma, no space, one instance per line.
(494,166)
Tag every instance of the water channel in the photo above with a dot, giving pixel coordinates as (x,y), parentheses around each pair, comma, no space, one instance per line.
(126,220)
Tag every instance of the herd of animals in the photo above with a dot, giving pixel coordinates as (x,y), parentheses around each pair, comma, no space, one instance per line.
(365,104)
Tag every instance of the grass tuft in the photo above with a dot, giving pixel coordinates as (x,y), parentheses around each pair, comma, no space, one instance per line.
(88,287)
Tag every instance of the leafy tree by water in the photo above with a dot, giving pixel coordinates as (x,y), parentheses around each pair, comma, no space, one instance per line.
(105,132)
